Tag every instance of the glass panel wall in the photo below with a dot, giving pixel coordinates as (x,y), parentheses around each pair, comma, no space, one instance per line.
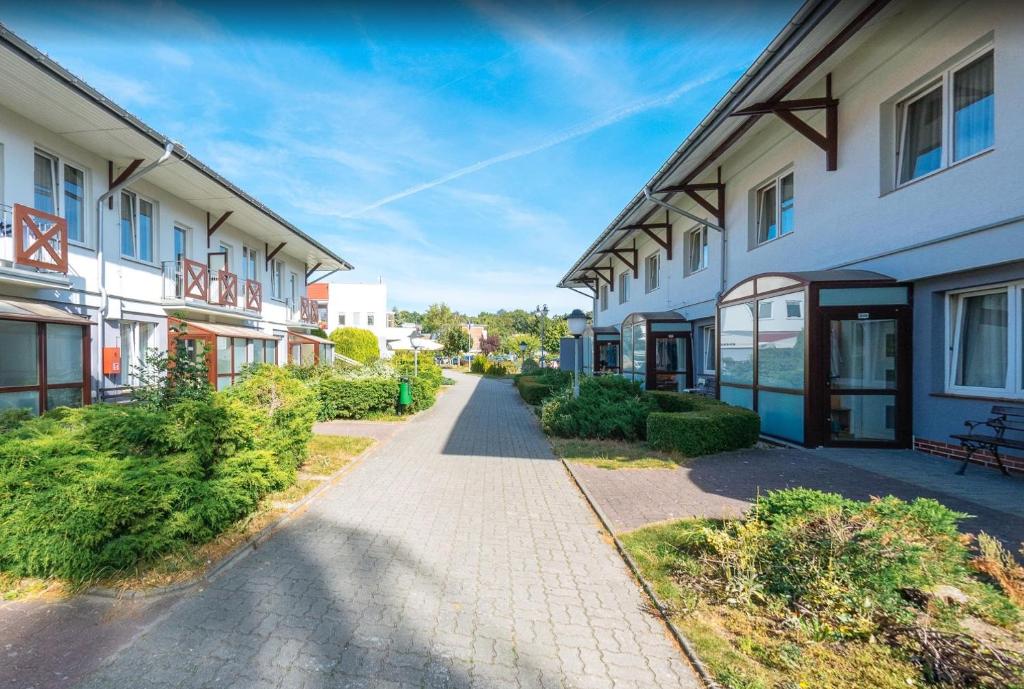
(28,379)
(780,342)
(736,344)
(63,353)
(19,342)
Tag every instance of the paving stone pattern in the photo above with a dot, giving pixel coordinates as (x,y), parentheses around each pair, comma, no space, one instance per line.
(458,555)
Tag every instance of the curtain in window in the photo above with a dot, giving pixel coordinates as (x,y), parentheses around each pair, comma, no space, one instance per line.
(974,108)
(766,226)
(127,224)
(696,251)
(45,182)
(922,136)
(982,356)
(74,200)
(145,230)
(786,204)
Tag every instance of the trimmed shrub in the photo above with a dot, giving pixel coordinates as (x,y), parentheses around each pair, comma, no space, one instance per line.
(608,407)
(355,397)
(537,386)
(682,401)
(356,343)
(714,429)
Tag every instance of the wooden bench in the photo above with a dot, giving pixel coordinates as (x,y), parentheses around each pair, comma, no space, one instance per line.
(1003,419)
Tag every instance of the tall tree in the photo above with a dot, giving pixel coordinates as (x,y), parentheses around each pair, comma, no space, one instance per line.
(455,341)
(554,330)
(439,317)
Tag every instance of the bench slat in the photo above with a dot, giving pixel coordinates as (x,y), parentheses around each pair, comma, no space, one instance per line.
(1004,410)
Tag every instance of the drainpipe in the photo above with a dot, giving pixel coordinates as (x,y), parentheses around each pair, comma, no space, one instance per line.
(697,219)
(104,297)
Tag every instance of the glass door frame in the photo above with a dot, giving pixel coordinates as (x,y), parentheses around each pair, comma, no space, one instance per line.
(820,360)
(651,371)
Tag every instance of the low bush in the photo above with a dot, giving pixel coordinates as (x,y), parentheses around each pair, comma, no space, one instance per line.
(715,428)
(530,366)
(356,343)
(608,407)
(91,491)
(538,385)
(478,364)
(682,401)
(499,368)
(813,588)
(344,397)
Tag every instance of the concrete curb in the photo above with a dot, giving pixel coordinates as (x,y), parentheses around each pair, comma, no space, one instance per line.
(243,549)
(684,643)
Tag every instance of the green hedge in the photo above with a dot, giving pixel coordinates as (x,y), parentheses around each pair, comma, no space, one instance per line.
(538,385)
(682,401)
(715,428)
(88,492)
(355,398)
(608,407)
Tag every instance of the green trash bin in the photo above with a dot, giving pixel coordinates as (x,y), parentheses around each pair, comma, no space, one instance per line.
(404,393)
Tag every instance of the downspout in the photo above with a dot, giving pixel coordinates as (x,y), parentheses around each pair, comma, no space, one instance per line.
(104,297)
(697,219)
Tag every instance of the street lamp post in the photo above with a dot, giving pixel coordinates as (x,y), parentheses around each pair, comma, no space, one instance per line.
(542,314)
(522,353)
(577,322)
(415,353)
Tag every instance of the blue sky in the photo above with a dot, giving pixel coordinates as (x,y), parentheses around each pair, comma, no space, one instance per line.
(466,154)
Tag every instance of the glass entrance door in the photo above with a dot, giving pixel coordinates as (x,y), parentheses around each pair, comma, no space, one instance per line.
(865,398)
(671,365)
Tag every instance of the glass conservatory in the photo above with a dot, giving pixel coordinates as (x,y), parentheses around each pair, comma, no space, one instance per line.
(822,356)
(600,350)
(657,350)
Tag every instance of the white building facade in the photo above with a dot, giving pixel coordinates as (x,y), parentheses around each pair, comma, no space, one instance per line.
(354,305)
(840,243)
(110,229)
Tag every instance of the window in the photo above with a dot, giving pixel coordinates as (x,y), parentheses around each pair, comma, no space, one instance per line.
(370,318)
(137,338)
(40,378)
(341,319)
(226,251)
(180,243)
(137,217)
(775,209)
(50,176)
(696,249)
(951,119)
(604,297)
(652,267)
(986,352)
(794,309)
(235,353)
(250,264)
(707,336)
(764,310)
(277,280)
(624,281)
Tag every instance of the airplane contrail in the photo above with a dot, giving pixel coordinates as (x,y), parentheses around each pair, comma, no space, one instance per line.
(569,134)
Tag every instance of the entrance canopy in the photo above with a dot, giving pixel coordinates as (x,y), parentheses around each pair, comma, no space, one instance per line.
(28,310)
(656,350)
(306,349)
(221,330)
(807,350)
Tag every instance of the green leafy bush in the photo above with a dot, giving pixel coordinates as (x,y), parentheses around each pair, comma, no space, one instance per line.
(355,397)
(536,386)
(478,364)
(530,366)
(356,343)
(87,492)
(10,419)
(608,407)
(499,368)
(713,429)
(682,401)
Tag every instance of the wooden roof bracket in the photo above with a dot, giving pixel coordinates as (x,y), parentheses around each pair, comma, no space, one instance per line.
(717,209)
(125,174)
(270,254)
(785,110)
(210,229)
(588,295)
(609,278)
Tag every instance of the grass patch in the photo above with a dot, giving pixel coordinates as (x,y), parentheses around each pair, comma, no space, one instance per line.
(615,454)
(328,453)
(810,590)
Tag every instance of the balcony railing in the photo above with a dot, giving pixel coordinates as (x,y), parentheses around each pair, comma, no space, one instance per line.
(33,239)
(190,280)
(302,311)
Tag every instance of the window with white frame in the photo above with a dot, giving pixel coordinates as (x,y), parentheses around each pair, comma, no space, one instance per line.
(250,264)
(764,310)
(986,345)
(59,188)
(277,280)
(794,309)
(775,209)
(949,120)
(696,249)
(707,333)
(603,292)
(652,272)
(137,338)
(137,226)
(624,280)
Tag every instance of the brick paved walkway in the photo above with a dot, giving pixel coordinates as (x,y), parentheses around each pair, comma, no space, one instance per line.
(459,555)
(723,486)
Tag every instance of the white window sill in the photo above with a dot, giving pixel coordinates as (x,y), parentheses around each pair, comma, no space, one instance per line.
(141,262)
(81,245)
(933,173)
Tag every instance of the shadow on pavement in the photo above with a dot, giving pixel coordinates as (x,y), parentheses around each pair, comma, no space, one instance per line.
(490,426)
